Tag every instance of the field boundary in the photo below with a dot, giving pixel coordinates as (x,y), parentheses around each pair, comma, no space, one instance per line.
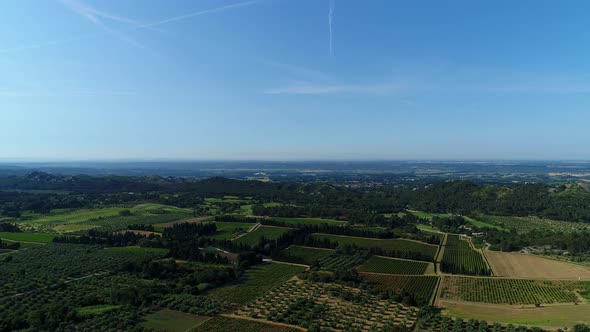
(264,321)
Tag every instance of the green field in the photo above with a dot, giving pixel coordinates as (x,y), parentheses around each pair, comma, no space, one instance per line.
(309,221)
(267,232)
(308,255)
(172,321)
(24,245)
(85,215)
(77,216)
(378,264)
(510,291)
(391,247)
(227,199)
(229,230)
(255,283)
(27,237)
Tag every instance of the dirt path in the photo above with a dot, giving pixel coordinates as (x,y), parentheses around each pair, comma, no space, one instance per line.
(250,230)
(440,253)
(270,260)
(264,321)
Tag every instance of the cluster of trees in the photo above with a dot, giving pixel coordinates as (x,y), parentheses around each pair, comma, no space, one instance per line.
(188,231)
(577,242)
(104,238)
(9,245)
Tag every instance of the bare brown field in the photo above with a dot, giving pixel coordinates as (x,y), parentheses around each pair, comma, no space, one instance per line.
(550,317)
(517,265)
(189,220)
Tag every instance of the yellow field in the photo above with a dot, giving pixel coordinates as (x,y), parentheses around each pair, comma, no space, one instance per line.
(549,317)
(516,265)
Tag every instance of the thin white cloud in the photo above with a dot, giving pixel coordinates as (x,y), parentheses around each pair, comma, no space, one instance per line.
(95,16)
(301,73)
(333,89)
(199,13)
(330,22)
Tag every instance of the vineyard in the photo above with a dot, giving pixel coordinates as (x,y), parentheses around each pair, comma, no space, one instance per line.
(401,248)
(421,288)
(510,291)
(460,258)
(378,264)
(263,232)
(227,324)
(255,283)
(306,255)
(438,323)
(329,306)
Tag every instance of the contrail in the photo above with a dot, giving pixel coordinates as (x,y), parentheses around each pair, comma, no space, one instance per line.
(199,13)
(93,14)
(330,20)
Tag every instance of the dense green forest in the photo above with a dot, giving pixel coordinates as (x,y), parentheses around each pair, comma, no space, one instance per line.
(41,192)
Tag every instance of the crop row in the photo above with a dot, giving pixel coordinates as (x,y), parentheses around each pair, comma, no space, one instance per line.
(401,248)
(227,324)
(460,258)
(508,291)
(420,288)
(378,264)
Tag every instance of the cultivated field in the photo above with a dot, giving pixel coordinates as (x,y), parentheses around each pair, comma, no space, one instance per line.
(267,232)
(307,255)
(510,291)
(329,306)
(188,220)
(379,264)
(228,324)
(549,317)
(255,283)
(420,287)
(229,230)
(172,321)
(27,237)
(460,258)
(391,247)
(516,265)
(308,221)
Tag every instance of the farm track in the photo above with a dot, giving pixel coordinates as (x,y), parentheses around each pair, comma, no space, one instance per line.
(482,252)
(250,230)
(264,321)
(270,260)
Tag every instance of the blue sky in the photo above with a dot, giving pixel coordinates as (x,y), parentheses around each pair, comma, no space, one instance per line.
(294,79)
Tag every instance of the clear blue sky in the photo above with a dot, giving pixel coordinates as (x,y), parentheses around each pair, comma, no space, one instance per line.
(294,79)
